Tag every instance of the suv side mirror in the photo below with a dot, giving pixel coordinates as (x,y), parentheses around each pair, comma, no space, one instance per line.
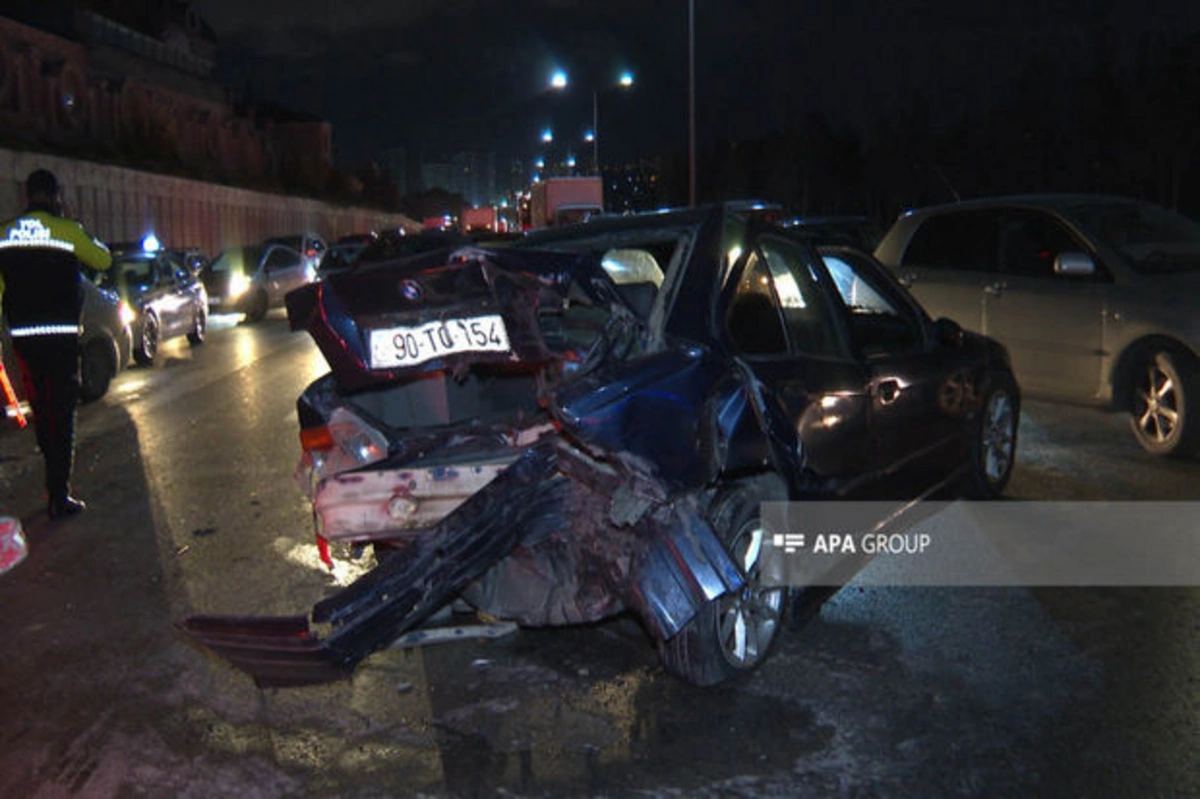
(948,333)
(1074,264)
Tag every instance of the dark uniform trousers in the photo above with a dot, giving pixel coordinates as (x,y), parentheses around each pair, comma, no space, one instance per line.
(49,368)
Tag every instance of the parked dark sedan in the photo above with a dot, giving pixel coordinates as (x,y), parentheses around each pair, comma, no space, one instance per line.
(588,422)
(164,298)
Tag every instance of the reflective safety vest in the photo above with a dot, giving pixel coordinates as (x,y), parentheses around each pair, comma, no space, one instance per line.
(40,257)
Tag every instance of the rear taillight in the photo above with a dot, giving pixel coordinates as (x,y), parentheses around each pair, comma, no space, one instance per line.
(312,438)
(344,442)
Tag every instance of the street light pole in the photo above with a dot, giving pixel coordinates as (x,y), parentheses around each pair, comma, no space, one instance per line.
(559,81)
(691,102)
(596,131)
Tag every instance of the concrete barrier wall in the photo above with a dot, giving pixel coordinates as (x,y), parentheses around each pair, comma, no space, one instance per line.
(118,204)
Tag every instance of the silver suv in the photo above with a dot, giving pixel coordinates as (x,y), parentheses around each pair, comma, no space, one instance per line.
(1094,296)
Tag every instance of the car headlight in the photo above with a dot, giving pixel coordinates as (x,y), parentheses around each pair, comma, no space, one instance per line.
(127,314)
(238,283)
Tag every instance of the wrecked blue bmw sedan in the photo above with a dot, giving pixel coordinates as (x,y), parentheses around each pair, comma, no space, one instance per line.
(586,424)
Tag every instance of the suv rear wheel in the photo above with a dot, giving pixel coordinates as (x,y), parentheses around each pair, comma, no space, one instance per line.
(1166,404)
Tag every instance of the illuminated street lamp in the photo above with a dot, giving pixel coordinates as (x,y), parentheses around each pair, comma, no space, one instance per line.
(547,136)
(559,81)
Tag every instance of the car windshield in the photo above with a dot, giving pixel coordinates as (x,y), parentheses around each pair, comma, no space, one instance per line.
(133,273)
(236,259)
(1153,239)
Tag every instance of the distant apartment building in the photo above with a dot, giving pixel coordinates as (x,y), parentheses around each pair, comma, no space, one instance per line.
(436,175)
(394,161)
(471,175)
(131,81)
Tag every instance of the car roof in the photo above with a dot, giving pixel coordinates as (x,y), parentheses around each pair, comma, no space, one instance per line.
(599,226)
(1050,202)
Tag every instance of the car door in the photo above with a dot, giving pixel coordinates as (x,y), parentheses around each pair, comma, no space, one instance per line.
(170,303)
(283,270)
(187,286)
(915,422)
(948,262)
(774,316)
(1052,323)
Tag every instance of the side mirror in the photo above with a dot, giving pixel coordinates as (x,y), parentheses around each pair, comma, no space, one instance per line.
(1074,264)
(948,333)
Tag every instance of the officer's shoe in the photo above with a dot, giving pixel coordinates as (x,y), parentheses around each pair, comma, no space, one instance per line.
(61,507)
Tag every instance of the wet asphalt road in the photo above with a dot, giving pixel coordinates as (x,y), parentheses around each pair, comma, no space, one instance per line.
(187,468)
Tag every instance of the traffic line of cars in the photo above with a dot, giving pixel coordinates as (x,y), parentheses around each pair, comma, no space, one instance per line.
(149,295)
(152,294)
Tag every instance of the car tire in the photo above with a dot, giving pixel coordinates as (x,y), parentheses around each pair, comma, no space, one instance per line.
(97,367)
(146,345)
(199,328)
(733,634)
(992,448)
(1165,404)
(257,309)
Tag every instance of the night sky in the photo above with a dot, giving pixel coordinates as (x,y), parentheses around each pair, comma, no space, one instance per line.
(439,76)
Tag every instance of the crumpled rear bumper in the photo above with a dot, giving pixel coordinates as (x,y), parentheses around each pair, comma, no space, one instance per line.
(397,595)
(664,565)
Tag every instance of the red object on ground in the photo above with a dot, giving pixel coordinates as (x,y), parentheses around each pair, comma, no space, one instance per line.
(12,543)
(10,397)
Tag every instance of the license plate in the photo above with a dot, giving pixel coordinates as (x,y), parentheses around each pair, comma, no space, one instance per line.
(409,346)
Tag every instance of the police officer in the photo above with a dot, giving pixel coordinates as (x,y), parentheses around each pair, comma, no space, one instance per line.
(40,257)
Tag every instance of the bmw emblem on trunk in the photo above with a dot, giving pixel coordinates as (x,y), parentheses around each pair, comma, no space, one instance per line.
(410,290)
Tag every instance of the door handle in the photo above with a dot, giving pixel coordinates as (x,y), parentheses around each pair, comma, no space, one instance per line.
(887,391)
(995,289)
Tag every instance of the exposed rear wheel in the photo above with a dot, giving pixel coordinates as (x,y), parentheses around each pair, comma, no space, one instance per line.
(733,634)
(1166,400)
